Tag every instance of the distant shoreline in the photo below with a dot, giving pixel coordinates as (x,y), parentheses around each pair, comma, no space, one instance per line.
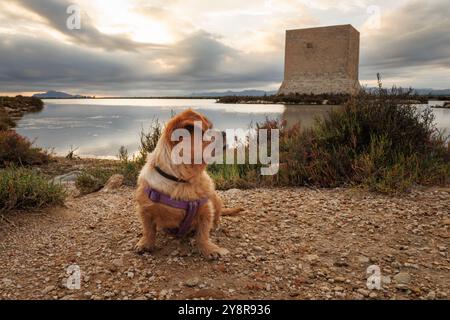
(117,98)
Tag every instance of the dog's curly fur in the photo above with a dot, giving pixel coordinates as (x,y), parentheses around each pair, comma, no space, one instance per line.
(156,216)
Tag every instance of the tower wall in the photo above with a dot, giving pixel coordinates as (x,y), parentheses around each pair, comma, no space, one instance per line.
(321,60)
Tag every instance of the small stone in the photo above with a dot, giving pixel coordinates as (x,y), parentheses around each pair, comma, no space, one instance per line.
(402,278)
(385,279)
(312,257)
(402,287)
(279,267)
(48,289)
(113,183)
(88,294)
(7,282)
(358,296)
(192,282)
(373,295)
(446,222)
(130,275)
(364,292)
(118,262)
(363,259)
(65,178)
(251,259)
(431,295)
(411,265)
(163,293)
(341,263)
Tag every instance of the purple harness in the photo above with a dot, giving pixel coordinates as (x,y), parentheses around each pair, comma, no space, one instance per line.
(191,208)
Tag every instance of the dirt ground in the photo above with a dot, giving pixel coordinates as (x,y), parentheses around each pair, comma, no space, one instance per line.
(294,243)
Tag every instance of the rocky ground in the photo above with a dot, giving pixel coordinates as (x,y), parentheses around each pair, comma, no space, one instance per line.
(289,244)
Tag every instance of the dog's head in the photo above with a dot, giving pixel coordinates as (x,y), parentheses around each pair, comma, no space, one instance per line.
(190,121)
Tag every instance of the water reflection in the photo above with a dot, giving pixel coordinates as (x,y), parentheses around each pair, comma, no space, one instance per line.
(306,115)
(99,127)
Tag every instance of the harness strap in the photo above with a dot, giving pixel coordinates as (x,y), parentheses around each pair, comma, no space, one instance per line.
(191,208)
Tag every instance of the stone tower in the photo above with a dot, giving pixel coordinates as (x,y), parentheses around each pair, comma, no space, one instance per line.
(321,60)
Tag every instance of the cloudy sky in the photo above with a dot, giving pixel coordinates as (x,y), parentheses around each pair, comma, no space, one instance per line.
(168,47)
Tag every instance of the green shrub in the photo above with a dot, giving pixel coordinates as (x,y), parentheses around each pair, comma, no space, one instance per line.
(22,104)
(22,188)
(5,121)
(131,166)
(93,179)
(15,149)
(380,141)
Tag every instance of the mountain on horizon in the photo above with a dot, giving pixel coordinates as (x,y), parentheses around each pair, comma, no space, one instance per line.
(56,94)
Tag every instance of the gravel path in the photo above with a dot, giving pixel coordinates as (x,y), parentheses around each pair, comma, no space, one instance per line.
(290,244)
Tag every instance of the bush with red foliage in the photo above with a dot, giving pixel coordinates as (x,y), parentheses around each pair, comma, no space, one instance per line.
(15,149)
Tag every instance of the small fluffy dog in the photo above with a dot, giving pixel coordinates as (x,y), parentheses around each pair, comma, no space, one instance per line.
(178,184)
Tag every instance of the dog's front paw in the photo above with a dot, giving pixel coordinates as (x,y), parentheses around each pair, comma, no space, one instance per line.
(144,246)
(214,253)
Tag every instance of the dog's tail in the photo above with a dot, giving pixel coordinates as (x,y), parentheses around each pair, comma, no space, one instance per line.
(231,211)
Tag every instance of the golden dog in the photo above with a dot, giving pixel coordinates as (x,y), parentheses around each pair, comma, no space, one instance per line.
(182,182)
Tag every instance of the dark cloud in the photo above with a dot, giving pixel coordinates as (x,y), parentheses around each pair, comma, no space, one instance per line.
(27,59)
(414,36)
(199,62)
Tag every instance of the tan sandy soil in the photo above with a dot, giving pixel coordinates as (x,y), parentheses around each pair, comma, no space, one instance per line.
(292,243)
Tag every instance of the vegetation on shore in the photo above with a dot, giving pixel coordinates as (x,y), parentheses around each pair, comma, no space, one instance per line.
(12,108)
(299,99)
(22,187)
(380,142)
(19,105)
(6,122)
(322,99)
(17,150)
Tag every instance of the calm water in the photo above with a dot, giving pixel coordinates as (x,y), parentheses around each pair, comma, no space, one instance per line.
(99,128)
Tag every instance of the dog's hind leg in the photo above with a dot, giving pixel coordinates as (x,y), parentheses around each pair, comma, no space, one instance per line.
(219,210)
(218,207)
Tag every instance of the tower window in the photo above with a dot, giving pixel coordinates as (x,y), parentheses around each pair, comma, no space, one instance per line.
(309,45)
